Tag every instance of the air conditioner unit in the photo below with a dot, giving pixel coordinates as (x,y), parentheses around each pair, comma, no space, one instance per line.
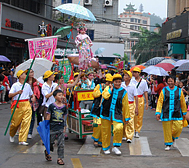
(88,2)
(108,3)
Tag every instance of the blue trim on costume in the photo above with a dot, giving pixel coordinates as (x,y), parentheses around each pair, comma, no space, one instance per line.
(100,143)
(184,113)
(100,88)
(157,113)
(175,119)
(127,119)
(94,139)
(104,149)
(113,104)
(169,143)
(109,90)
(116,144)
(174,138)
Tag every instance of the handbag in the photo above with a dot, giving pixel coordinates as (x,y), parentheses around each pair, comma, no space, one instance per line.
(42,108)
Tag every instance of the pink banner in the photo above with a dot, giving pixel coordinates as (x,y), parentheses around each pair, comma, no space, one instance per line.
(43,48)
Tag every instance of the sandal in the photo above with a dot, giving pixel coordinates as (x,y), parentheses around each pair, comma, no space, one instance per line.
(95,144)
(47,156)
(60,161)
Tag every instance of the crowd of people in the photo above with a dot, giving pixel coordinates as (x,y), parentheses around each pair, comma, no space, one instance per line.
(119,99)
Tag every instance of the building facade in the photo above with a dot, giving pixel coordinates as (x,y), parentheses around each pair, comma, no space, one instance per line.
(18,24)
(175,31)
(131,21)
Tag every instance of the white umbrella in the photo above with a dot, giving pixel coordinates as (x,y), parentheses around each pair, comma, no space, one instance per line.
(171,61)
(39,67)
(180,62)
(153,70)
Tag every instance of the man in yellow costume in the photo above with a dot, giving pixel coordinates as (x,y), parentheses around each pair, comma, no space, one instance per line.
(142,89)
(171,109)
(115,109)
(23,110)
(95,111)
(128,130)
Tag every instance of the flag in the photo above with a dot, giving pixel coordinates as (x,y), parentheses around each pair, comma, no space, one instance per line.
(44,132)
(42,47)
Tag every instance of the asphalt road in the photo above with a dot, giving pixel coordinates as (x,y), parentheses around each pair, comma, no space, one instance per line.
(145,152)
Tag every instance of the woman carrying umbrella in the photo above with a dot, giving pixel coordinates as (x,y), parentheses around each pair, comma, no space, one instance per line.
(171,109)
(36,90)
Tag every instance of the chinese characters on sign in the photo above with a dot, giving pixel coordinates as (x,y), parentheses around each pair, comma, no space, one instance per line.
(81,96)
(43,48)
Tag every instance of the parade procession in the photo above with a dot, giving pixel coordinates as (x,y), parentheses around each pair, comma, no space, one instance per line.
(94,83)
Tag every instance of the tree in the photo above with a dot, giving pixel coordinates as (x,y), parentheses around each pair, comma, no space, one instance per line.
(141,8)
(125,58)
(148,46)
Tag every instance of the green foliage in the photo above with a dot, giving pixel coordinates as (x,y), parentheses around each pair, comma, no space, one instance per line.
(125,58)
(148,46)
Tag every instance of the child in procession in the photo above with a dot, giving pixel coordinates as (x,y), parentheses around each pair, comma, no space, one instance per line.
(57,114)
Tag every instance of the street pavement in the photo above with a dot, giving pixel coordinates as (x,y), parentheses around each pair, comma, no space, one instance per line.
(144,152)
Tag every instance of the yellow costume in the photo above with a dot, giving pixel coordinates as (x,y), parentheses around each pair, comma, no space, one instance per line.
(95,112)
(171,107)
(22,115)
(115,109)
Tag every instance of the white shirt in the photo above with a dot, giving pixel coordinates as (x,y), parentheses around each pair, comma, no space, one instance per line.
(46,89)
(131,90)
(27,91)
(143,87)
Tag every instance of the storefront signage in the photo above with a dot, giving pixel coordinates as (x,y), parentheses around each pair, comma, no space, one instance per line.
(174,34)
(13,24)
(16,44)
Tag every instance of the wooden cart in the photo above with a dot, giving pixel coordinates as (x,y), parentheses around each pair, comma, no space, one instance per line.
(80,122)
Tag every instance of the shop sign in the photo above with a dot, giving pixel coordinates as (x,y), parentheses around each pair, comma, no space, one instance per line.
(13,24)
(16,44)
(174,34)
(81,96)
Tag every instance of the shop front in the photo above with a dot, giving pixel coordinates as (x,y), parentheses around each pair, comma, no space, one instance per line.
(175,33)
(17,24)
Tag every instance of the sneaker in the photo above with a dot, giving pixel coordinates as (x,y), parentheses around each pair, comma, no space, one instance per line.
(124,139)
(17,133)
(23,143)
(116,151)
(129,140)
(107,152)
(11,139)
(29,136)
(4,102)
(167,148)
(136,135)
(174,144)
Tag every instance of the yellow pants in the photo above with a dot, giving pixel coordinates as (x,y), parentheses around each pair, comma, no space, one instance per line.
(128,129)
(139,119)
(171,130)
(106,133)
(22,115)
(97,131)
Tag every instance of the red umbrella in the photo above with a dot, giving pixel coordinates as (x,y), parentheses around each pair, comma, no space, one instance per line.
(165,66)
(139,66)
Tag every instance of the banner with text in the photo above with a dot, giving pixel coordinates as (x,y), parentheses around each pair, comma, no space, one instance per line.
(43,48)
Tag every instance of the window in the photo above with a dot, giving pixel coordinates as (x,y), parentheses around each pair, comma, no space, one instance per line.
(136,20)
(132,19)
(132,26)
(144,21)
(144,28)
(139,20)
